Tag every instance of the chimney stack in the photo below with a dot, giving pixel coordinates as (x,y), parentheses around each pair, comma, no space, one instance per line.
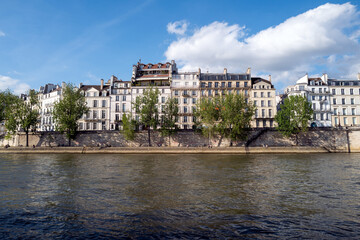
(102,84)
(80,85)
(269,78)
(225,71)
(248,71)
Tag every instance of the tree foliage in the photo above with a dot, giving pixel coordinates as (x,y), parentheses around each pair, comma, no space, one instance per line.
(171,112)
(235,115)
(22,115)
(128,127)
(229,115)
(147,108)
(294,115)
(7,98)
(69,110)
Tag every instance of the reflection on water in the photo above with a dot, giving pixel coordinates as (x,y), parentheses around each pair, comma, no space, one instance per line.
(180,196)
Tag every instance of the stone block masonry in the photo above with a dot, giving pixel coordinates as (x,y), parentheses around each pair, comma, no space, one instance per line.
(333,140)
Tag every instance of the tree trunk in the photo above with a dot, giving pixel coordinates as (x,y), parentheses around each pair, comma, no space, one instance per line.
(27,138)
(169,140)
(149,137)
(231,143)
(69,138)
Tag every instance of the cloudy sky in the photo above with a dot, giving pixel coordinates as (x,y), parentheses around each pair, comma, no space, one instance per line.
(50,41)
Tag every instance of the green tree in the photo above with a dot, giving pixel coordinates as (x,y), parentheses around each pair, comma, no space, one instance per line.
(147,107)
(69,110)
(23,114)
(235,115)
(171,112)
(207,115)
(294,116)
(128,127)
(7,98)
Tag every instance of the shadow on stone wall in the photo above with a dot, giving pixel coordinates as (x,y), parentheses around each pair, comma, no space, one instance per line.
(331,139)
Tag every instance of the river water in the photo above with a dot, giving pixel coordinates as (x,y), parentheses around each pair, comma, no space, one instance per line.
(179,196)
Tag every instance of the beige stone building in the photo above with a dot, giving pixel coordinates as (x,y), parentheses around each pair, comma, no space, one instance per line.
(98,100)
(264,98)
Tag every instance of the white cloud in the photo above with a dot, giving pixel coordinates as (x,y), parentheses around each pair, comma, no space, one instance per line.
(319,39)
(13,84)
(2,34)
(178,27)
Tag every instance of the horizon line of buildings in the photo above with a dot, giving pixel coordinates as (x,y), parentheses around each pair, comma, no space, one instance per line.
(109,100)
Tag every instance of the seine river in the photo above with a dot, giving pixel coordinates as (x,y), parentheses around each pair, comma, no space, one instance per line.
(313,196)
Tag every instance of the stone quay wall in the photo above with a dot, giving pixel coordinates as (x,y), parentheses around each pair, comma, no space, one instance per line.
(333,140)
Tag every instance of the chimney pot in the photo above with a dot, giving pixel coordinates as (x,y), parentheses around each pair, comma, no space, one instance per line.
(102,84)
(270,78)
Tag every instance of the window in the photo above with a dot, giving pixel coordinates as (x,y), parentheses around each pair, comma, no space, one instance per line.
(270,112)
(95,103)
(336,121)
(352,101)
(334,100)
(222,84)
(193,92)
(320,90)
(117,108)
(176,93)
(246,92)
(344,111)
(255,94)
(314,106)
(268,94)
(102,113)
(321,116)
(237,84)
(256,113)
(245,84)
(262,103)
(313,90)
(209,84)
(263,112)
(345,121)
(342,91)
(269,103)
(185,119)
(216,84)
(123,107)
(320,98)
(194,100)
(333,91)
(335,111)
(185,109)
(94,126)
(354,120)
(177,100)
(353,111)
(229,84)
(343,101)
(95,114)
(124,98)
(185,101)
(87,126)
(313,98)
(103,103)
(262,94)
(351,91)
(209,93)
(257,123)
(264,123)
(117,98)
(255,103)
(162,99)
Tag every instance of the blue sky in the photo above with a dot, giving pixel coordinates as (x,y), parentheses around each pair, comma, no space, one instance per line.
(83,41)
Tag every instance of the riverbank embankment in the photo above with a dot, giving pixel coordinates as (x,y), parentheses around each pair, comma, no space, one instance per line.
(162,150)
(258,141)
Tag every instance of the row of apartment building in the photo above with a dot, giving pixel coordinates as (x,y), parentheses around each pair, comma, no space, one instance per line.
(335,102)
(108,101)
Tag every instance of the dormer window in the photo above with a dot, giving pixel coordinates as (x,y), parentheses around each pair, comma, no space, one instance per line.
(167,65)
(149,66)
